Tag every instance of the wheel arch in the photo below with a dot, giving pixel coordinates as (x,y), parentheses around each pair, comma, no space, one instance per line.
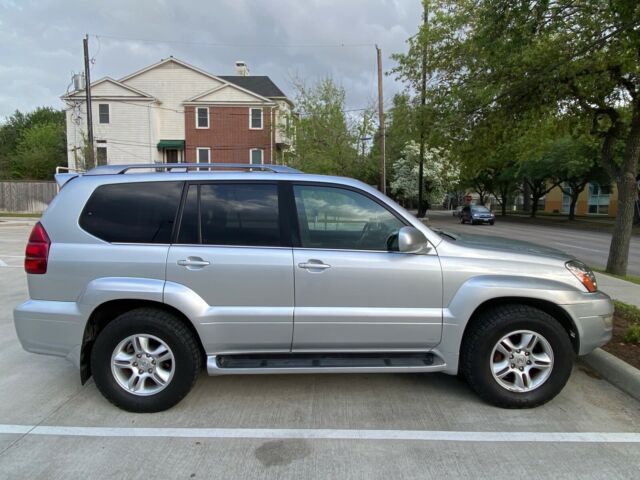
(554,310)
(108,311)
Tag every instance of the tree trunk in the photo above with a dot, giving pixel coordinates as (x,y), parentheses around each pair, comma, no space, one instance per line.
(572,205)
(422,211)
(526,196)
(620,240)
(504,196)
(627,196)
(534,204)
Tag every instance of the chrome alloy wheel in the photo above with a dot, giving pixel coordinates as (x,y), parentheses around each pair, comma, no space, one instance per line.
(521,361)
(142,364)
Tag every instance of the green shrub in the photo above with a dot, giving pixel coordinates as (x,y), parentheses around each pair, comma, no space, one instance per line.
(629,312)
(632,335)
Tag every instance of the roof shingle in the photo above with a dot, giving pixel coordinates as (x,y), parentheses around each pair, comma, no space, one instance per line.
(262,85)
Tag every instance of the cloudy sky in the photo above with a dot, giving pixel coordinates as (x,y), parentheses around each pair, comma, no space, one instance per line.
(41,41)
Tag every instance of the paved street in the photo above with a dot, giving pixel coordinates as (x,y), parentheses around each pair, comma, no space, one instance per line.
(344,426)
(590,247)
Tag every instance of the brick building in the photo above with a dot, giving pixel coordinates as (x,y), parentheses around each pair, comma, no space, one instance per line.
(173,112)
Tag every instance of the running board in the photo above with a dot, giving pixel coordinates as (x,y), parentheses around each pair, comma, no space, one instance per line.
(251,364)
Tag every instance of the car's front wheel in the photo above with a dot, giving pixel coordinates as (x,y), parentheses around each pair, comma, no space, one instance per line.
(516,356)
(146,360)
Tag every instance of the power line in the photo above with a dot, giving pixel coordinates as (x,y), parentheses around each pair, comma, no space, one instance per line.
(238,45)
(348,110)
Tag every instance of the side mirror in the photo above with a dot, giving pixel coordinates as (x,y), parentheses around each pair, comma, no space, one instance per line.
(411,240)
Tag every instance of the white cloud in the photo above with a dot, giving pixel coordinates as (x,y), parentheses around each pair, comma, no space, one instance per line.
(42,41)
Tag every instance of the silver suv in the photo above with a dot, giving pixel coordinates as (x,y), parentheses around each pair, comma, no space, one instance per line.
(141,278)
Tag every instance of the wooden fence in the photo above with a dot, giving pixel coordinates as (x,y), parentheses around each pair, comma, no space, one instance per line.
(26,196)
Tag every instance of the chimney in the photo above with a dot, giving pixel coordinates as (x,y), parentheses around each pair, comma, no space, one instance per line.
(241,69)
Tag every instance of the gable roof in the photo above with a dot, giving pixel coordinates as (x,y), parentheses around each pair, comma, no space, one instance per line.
(262,85)
(127,91)
(170,60)
(202,95)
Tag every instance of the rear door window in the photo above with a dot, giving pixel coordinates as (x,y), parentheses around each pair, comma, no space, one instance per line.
(141,212)
(231,214)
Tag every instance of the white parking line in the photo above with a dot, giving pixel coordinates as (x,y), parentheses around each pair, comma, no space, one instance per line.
(327,434)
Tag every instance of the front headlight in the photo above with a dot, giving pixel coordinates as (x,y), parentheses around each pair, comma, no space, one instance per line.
(584,274)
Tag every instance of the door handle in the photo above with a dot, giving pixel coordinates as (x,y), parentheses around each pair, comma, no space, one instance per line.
(314,265)
(193,262)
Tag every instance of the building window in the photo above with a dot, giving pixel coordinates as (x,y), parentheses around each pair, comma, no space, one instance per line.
(103,112)
(101,153)
(566,197)
(255,119)
(257,156)
(203,154)
(202,117)
(599,196)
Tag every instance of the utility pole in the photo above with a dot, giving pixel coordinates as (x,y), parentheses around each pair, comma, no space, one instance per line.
(383,165)
(422,211)
(87,90)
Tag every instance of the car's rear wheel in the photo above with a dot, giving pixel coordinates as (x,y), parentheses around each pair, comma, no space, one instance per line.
(146,360)
(516,356)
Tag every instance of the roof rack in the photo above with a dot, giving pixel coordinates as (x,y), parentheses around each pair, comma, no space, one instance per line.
(120,169)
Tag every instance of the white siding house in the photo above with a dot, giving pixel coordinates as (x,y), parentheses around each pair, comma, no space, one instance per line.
(140,118)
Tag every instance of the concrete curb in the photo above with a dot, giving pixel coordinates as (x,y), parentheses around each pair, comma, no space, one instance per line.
(615,371)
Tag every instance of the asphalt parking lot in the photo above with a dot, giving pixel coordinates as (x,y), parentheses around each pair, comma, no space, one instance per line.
(313,426)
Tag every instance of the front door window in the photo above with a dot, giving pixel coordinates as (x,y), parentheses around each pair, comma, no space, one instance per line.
(337,218)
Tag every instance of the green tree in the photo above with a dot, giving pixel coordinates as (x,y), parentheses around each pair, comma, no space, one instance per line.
(529,57)
(401,127)
(327,140)
(18,130)
(39,152)
(576,159)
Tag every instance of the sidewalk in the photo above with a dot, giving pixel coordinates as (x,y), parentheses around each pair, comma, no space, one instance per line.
(617,289)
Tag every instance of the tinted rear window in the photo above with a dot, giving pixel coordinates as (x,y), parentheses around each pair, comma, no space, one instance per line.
(231,214)
(141,212)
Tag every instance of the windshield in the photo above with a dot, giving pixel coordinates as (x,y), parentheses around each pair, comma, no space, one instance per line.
(480,209)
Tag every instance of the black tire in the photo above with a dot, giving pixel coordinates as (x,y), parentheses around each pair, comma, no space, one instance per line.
(484,334)
(492,222)
(462,220)
(163,325)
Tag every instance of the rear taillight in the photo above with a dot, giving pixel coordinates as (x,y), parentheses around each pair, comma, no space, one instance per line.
(37,252)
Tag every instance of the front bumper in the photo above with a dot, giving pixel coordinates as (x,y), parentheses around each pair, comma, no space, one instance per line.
(51,328)
(593,319)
